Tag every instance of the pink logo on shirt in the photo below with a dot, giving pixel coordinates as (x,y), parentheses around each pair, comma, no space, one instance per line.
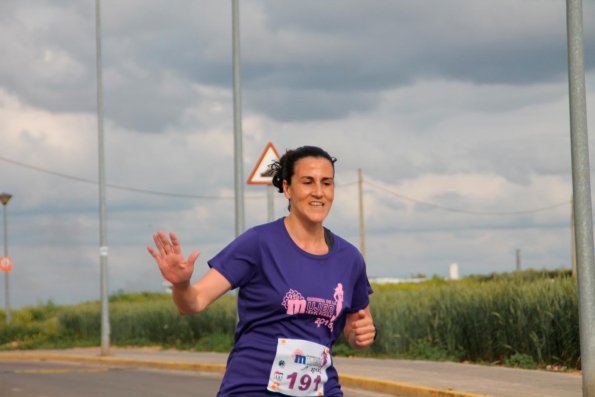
(294,302)
(326,310)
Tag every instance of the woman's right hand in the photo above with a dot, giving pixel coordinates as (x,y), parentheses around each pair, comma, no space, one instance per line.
(168,256)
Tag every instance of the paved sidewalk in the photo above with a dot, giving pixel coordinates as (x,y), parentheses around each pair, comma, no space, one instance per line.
(398,377)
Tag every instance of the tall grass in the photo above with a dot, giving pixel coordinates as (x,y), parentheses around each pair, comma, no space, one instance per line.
(486,322)
(154,321)
(134,320)
(509,320)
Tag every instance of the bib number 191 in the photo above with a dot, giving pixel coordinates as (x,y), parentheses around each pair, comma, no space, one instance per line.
(304,383)
(299,368)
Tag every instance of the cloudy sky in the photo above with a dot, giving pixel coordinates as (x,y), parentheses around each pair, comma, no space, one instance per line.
(455,110)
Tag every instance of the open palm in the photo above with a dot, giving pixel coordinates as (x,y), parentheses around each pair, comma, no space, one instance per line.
(172,264)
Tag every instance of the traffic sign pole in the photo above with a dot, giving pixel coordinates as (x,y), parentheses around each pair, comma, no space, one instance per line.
(271,203)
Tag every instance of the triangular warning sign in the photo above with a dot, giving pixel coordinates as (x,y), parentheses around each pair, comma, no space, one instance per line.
(262,175)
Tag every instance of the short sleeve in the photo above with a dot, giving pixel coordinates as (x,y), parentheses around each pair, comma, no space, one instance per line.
(361,290)
(238,261)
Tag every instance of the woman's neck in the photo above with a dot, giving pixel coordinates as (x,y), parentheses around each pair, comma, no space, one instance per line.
(309,237)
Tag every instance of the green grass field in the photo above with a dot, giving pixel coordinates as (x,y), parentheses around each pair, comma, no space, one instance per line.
(527,319)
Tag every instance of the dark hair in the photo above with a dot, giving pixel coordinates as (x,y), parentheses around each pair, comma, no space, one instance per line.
(284,168)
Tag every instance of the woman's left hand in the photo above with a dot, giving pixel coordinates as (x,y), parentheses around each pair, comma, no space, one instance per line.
(359,329)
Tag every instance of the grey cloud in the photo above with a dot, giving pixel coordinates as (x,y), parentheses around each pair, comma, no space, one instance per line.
(302,105)
(489,42)
(147,103)
(345,47)
(50,63)
(337,47)
(376,46)
(46,61)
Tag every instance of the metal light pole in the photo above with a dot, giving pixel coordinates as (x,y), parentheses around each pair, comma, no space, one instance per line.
(581,187)
(572,240)
(103,249)
(5,198)
(237,121)
(362,227)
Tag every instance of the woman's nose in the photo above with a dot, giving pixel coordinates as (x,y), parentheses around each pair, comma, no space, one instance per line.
(317,190)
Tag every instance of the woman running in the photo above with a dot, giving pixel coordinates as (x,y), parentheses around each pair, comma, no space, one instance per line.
(300,286)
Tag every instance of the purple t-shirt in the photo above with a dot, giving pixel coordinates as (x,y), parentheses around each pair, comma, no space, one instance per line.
(286,292)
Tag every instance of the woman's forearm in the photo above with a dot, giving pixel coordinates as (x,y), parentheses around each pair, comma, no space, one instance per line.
(185,297)
(194,298)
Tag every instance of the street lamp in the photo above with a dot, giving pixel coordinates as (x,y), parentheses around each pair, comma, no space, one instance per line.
(103,248)
(4,199)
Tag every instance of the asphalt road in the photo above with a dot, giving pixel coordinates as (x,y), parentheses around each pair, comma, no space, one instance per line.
(48,379)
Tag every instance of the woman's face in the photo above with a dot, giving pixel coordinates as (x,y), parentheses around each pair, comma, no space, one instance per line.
(312,189)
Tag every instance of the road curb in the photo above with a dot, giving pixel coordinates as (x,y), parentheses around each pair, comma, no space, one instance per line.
(220,368)
(377,385)
(400,389)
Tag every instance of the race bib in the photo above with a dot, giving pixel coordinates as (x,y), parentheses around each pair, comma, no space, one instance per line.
(299,368)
